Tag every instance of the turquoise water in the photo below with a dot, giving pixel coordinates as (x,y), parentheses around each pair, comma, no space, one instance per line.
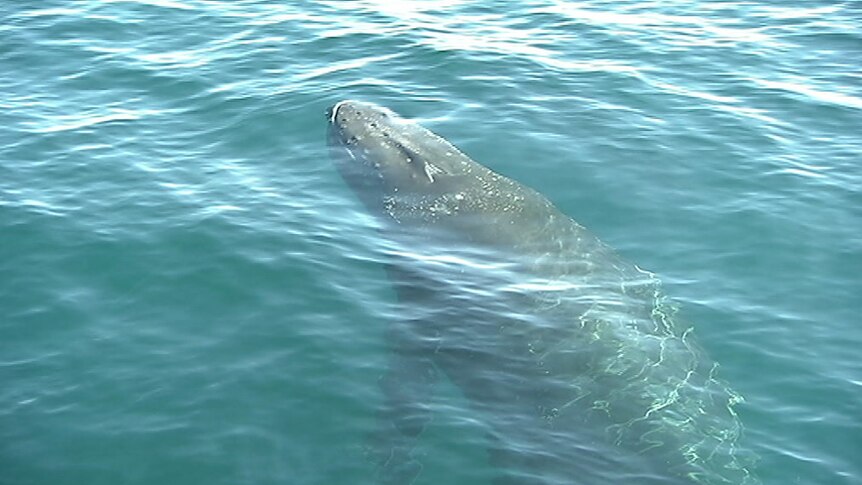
(189,293)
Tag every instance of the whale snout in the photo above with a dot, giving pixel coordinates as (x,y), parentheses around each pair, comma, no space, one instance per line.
(347,109)
(354,115)
(332,112)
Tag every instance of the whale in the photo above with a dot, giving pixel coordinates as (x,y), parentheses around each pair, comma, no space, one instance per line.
(574,363)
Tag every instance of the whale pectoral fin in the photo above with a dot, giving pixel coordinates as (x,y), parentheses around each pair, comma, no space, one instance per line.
(407,388)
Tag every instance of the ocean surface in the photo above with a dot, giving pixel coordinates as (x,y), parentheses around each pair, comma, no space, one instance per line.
(191,294)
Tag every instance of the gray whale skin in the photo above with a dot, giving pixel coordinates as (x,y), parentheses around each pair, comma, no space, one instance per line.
(569,356)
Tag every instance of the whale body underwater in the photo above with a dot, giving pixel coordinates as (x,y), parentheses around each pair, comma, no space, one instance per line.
(570,356)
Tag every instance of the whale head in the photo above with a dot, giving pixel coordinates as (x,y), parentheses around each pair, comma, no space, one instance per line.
(406,173)
(383,156)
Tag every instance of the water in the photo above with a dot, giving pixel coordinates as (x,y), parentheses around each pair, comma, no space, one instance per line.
(191,294)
